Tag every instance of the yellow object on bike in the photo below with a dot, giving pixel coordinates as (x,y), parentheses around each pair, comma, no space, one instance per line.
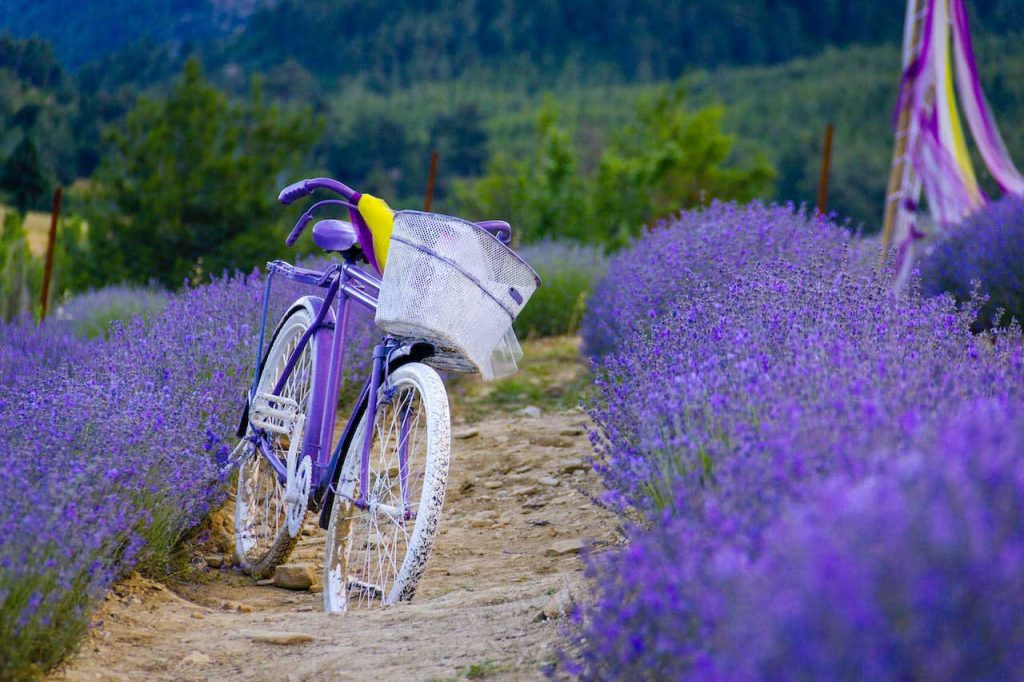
(381,220)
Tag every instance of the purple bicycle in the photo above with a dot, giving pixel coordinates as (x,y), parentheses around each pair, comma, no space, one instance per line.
(444,292)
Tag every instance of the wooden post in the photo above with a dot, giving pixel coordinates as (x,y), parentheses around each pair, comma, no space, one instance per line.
(48,270)
(428,200)
(826,164)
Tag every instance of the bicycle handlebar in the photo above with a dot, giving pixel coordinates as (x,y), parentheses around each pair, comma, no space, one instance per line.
(501,230)
(303,188)
(308,215)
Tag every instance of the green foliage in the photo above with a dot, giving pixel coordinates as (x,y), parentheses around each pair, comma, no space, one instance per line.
(568,272)
(190,184)
(669,159)
(22,178)
(84,31)
(19,272)
(665,160)
(393,44)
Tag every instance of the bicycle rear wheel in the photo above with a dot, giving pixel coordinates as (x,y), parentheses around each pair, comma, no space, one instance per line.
(262,540)
(376,552)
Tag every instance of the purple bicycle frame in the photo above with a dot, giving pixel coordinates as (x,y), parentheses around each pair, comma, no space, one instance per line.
(348,283)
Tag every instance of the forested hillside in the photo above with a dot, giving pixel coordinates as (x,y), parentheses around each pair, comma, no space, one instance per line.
(632,39)
(84,31)
(405,39)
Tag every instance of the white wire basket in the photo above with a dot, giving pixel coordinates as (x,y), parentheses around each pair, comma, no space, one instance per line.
(453,284)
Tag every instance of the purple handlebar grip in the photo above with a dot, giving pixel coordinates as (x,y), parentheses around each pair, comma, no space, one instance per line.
(294,191)
(499,228)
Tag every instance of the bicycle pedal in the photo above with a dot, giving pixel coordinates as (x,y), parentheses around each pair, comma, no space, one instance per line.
(274,413)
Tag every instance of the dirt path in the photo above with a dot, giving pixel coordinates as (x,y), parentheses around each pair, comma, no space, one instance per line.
(517,512)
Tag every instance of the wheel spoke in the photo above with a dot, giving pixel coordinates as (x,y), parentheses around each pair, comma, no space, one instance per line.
(261,504)
(391,522)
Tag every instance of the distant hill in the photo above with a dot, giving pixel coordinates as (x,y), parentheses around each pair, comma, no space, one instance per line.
(83,31)
(397,41)
(634,39)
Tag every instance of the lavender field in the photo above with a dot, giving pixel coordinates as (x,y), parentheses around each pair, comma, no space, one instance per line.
(828,472)
(820,476)
(116,445)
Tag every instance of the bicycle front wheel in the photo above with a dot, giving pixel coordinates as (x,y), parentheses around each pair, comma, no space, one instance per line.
(262,540)
(378,543)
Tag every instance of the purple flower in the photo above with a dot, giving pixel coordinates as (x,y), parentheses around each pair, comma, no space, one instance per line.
(762,387)
(986,250)
(114,449)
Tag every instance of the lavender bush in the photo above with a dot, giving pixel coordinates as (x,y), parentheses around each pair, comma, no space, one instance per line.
(568,272)
(987,248)
(113,456)
(91,313)
(741,392)
(911,572)
(914,574)
(710,245)
(25,348)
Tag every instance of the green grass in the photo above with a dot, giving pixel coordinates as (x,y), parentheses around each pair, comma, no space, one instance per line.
(551,376)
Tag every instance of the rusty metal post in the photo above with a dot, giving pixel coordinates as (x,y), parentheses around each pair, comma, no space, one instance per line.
(48,270)
(826,165)
(428,199)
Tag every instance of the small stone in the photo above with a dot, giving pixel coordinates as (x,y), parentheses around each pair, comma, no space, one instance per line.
(571,432)
(236,606)
(551,442)
(565,548)
(293,576)
(309,530)
(559,605)
(523,469)
(535,504)
(196,658)
(539,522)
(492,485)
(480,523)
(548,480)
(526,491)
(265,582)
(281,638)
(198,615)
(215,560)
(531,411)
(573,467)
(466,434)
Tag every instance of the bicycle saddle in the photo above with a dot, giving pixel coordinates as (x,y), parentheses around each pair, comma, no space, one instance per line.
(334,235)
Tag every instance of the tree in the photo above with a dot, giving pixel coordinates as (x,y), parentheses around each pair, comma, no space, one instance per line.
(668,159)
(191,181)
(461,140)
(22,177)
(374,153)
